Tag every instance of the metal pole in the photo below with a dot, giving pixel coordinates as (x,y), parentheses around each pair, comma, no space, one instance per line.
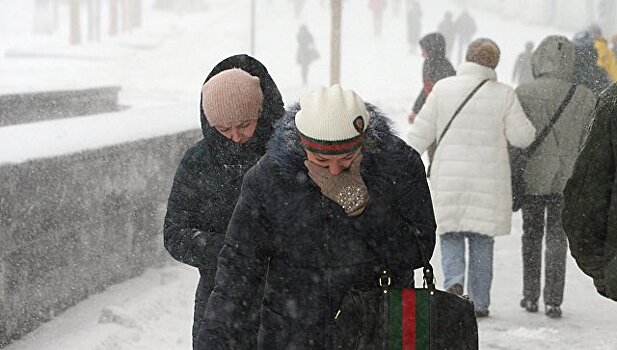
(335,42)
(252,27)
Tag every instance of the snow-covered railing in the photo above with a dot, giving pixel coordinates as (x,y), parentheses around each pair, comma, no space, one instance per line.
(82,202)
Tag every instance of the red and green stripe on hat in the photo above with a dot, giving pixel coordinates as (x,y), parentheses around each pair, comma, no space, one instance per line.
(331,147)
(408,319)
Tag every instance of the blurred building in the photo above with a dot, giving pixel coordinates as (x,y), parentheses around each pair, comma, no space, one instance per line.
(568,15)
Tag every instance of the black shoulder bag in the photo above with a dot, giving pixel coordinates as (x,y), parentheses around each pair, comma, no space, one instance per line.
(456,112)
(406,318)
(519,157)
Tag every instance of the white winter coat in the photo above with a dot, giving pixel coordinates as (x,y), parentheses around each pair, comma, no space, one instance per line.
(470,176)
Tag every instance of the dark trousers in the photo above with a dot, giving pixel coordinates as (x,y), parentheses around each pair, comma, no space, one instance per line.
(206,283)
(534,209)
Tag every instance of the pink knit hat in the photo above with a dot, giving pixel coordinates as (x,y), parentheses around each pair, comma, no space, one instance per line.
(230,97)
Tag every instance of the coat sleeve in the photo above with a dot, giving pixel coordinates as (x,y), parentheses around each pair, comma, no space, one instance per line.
(411,219)
(423,131)
(184,237)
(241,270)
(417,106)
(520,132)
(587,195)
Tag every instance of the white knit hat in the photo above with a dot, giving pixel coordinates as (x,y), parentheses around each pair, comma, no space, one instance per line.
(332,120)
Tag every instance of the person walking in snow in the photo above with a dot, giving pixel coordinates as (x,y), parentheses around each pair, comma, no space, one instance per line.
(589,212)
(587,71)
(470,173)
(549,167)
(465,29)
(447,29)
(306,51)
(606,57)
(522,66)
(414,24)
(436,67)
(336,197)
(377,7)
(239,105)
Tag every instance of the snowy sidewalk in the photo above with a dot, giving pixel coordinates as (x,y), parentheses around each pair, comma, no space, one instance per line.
(155,311)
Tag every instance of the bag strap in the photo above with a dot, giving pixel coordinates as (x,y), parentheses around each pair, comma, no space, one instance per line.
(456,112)
(538,141)
(427,271)
(429,276)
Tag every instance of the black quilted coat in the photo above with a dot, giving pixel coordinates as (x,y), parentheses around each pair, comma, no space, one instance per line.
(207,185)
(315,253)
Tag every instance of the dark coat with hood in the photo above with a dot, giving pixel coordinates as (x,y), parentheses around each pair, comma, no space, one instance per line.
(207,184)
(315,252)
(436,66)
(590,198)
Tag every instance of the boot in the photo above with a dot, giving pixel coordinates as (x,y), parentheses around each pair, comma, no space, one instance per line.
(552,311)
(529,305)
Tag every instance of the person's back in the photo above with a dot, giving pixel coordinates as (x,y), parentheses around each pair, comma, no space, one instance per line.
(470,174)
(465,29)
(435,67)
(414,18)
(589,211)
(549,167)
(446,28)
(587,72)
(553,67)
(522,67)
(606,57)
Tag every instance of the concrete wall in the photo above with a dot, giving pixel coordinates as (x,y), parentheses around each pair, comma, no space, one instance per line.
(72,225)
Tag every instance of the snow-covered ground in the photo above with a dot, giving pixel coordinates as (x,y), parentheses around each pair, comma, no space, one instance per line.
(166,61)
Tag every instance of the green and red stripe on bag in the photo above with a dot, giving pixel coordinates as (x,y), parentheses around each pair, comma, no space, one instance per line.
(408,319)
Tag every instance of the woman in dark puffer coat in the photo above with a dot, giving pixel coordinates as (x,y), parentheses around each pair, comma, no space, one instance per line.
(207,185)
(317,248)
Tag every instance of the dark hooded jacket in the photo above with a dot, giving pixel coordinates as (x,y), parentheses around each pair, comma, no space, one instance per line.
(436,66)
(316,253)
(207,184)
(587,72)
(590,198)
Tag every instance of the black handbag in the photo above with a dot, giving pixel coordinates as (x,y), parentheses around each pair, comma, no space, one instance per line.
(519,157)
(391,318)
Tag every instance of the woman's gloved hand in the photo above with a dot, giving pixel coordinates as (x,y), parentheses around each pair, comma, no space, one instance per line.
(347,189)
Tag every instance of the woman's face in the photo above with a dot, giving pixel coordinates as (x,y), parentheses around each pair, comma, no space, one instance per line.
(336,163)
(240,132)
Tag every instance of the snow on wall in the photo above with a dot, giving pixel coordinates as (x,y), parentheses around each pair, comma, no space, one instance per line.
(18,143)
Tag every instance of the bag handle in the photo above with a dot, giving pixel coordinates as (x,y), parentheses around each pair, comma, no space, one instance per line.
(427,271)
(544,133)
(456,112)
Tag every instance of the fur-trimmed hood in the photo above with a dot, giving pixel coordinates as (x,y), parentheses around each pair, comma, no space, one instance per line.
(288,155)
